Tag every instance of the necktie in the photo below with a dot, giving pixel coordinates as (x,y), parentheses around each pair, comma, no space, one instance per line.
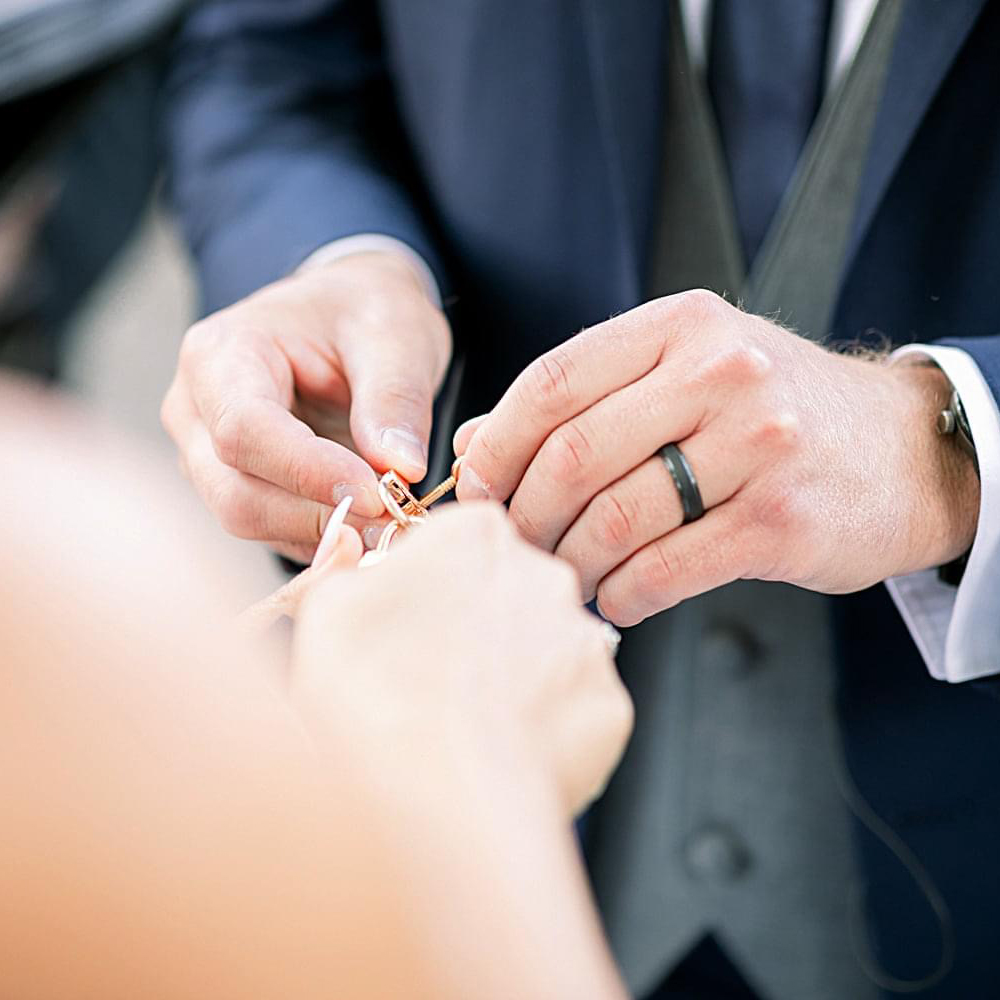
(765,78)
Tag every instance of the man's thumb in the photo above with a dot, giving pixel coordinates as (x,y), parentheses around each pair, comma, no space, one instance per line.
(392,398)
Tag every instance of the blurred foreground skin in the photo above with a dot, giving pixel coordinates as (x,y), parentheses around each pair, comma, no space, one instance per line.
(393,824)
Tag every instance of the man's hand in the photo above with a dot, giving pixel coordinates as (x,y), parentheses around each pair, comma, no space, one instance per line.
(816,468)
(285,403)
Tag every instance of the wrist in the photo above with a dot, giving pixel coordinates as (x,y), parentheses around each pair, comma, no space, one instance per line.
(944,487)
(379,286)
(365,266)
(387,250)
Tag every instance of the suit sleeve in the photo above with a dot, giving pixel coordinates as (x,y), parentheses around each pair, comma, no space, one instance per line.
(282,136)
(985,351)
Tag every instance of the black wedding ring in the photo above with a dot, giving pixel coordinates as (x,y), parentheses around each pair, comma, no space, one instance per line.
(684,479)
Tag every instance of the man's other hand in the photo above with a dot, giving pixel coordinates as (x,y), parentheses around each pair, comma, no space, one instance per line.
(296,397)
(816,468)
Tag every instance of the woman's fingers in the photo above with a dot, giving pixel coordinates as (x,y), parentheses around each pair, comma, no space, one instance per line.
(340,548)
(330,543)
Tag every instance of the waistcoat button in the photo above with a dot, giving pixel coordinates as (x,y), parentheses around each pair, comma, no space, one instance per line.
(730,648)
(715,853)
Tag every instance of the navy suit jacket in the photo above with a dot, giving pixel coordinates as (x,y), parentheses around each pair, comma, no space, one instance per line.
(516,145)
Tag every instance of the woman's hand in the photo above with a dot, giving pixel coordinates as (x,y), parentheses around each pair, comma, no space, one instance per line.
(468,639)
(339,548)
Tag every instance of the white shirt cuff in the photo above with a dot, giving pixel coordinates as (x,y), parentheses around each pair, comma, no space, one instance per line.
(375,243)
(958,629)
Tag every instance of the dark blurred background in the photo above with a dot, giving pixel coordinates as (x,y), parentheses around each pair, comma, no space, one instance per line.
(95,287)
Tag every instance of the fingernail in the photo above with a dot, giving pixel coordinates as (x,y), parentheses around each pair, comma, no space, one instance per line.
(372,534)
(406,446)
(471,486)
(612,638)
(331,533)
(366,500)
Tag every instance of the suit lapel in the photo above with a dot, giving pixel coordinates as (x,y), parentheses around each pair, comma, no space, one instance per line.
(931,34)
(626,42)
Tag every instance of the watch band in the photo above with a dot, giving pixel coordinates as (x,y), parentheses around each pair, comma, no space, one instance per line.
(952,420)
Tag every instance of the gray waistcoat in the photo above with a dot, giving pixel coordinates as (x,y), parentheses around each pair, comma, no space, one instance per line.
(725,816)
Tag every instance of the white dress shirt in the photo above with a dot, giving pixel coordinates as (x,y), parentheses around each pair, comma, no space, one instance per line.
(954,627)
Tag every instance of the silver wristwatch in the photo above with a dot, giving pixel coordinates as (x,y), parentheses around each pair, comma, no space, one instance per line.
(952,420)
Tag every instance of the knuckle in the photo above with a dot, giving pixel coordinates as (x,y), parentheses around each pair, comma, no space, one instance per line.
(778,511)
(235,516)
(659,569)
(689,311)
(228,435)
(299,478)
(779,432)
(527,527)
(614,521)
(652,320)
(486,444)
(199,338)
(549,381)
(742,366)
(612,608)
(567,454)
(402,395)
(699,305)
